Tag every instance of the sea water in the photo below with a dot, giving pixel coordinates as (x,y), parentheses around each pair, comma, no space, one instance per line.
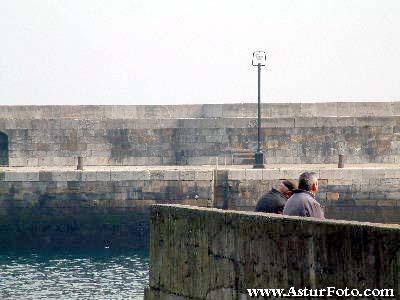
(102,274)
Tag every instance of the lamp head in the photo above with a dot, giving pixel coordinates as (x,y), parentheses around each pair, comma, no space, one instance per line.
(259,58)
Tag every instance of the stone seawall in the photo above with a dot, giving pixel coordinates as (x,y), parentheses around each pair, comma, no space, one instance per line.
(97,208)
(197,134)
(358,192)
(202,253)
(47,207)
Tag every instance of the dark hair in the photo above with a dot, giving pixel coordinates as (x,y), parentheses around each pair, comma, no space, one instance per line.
(290,184)
(306,180)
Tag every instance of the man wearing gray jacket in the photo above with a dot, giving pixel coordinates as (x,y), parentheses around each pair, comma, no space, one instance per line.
(303,202)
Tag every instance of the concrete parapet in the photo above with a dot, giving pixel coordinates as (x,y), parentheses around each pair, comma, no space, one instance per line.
(210,254)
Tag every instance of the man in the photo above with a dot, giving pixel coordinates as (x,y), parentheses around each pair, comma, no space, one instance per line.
(303,202)
(274,201)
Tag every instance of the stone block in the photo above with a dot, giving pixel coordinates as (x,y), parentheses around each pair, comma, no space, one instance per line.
(171,175)
(130,175)
(344,174)
(168,123)
(98,161)
(18,161)
(390,203)
(102,175)
(239,110)
(364,108)
(141,175)
(392,173)
(45,176)
(318,109)
(237,174)
(206,175)
(67,175)
(368,174)
(153,161)
(284,110)
(375,121)
(32,162)
(119,111)
(289,174)
(277,123)
(334,181)
(187,175)
(21,176)
(395,108)
(326,122)
(254,174)
(300,122)
(330,196)
(393,196)
(156,174)
(212,110)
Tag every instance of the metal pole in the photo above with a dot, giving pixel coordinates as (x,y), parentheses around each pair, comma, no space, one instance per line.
(259,109)
(259,156)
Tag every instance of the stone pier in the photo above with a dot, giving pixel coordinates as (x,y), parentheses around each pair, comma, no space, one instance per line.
(62,205)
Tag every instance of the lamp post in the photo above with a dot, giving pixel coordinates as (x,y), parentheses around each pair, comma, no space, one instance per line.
(259,60)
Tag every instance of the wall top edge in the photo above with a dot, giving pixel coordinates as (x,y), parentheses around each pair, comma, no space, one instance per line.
(258,215)
(208,104)
(227,110)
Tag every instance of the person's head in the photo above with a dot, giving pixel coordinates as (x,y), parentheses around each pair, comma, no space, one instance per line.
(308,181)
(286,187)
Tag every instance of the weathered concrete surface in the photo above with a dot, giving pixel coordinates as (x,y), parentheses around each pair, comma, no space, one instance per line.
(196,134)
(202,253)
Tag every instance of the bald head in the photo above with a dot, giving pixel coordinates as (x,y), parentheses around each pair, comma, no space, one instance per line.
(308,181)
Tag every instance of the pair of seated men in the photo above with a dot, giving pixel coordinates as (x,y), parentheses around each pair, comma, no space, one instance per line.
(293,199)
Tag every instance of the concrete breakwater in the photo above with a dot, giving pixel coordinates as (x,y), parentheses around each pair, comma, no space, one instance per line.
(203,253)
(292,133)
(101,206)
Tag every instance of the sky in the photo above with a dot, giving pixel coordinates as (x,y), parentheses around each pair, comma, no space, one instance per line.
(189,52)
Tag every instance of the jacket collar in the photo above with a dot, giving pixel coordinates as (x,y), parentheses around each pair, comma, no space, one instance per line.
(297,191)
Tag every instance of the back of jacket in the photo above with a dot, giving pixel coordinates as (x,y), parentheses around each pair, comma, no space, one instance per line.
(303,204)
(271,202)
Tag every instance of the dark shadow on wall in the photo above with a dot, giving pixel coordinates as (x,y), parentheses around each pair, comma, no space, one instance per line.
(51,224)
(3,149)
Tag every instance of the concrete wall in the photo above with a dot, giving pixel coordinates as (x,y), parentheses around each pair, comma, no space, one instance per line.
(199,253)
(196,134)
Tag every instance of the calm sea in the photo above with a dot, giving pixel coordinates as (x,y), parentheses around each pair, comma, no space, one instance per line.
(102,274)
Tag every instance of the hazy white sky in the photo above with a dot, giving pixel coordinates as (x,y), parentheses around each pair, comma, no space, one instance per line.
(175,52)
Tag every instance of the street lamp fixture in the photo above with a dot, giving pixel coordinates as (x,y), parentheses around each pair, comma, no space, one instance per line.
(259,60)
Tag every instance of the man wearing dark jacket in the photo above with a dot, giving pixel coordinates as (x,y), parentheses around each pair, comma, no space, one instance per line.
(303,202)
(274,201)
